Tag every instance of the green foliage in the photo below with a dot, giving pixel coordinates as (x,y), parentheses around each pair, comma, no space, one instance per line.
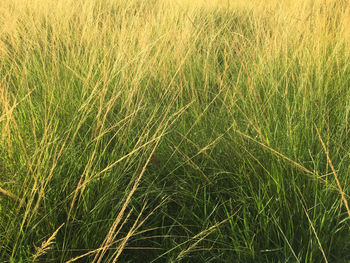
(191,132)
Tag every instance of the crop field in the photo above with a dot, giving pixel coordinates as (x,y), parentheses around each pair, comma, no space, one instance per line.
(174,131)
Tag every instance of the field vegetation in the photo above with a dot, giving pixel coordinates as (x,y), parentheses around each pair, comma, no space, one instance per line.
(174,131)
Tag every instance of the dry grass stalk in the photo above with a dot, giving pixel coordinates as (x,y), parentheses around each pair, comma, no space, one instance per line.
(335,173)
(312,225)
(102,248)
(277,153)
(46,245)
(3,192)
(202,235)
(109,238)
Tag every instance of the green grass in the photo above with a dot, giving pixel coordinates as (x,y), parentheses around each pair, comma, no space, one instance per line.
(167,131)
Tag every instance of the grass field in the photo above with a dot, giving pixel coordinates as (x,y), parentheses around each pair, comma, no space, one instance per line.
(174,131)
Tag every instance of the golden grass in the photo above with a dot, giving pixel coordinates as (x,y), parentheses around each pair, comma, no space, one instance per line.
(6,193)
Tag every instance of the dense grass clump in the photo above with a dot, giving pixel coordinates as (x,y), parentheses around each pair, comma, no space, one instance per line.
(174,131)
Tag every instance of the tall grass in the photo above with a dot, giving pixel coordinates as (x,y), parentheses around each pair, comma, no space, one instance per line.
(174,131)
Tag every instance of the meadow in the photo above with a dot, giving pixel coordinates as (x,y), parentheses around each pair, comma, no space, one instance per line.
(174,131)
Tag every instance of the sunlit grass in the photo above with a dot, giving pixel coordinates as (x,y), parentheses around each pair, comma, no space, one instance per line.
(168,131)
